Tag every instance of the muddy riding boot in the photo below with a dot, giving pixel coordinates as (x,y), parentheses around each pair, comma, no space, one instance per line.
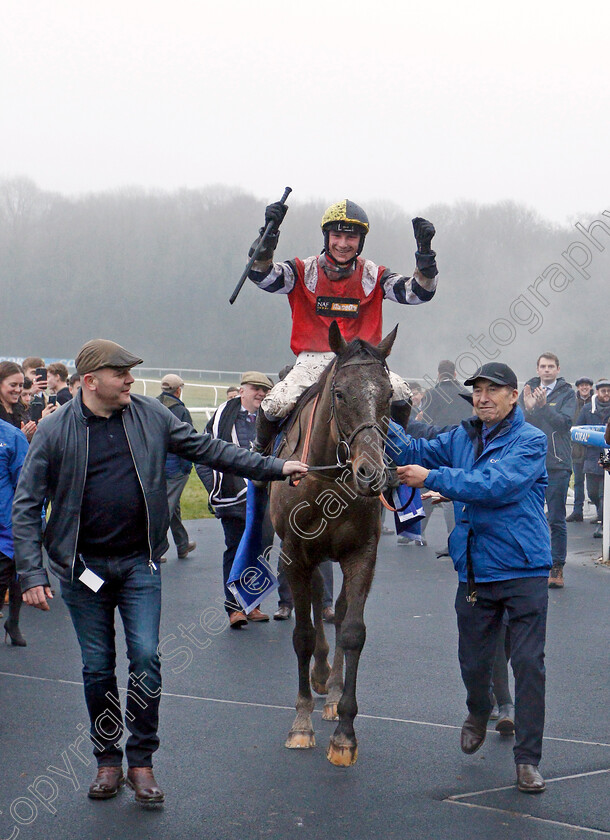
(266,431)
(400,411)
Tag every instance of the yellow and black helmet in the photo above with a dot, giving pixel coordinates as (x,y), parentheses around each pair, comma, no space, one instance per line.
(346,216)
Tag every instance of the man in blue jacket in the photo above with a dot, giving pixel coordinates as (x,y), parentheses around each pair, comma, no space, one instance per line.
(493,464)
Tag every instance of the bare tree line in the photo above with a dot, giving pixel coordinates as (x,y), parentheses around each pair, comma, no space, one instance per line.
(154,270)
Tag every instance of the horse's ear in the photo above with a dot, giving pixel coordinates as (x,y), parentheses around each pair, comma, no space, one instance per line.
(385,345)
(335,339)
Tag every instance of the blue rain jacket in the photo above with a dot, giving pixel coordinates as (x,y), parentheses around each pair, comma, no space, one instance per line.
(501,494)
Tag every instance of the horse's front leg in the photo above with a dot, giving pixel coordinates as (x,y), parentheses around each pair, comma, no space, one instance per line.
(357,575)
(335,681)
(321,668)
(301,735)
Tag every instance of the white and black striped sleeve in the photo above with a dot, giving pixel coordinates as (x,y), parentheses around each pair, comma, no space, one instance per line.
(277,278)
(409,290)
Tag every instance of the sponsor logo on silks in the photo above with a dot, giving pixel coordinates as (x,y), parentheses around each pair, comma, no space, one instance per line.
(337,307)
(3,444)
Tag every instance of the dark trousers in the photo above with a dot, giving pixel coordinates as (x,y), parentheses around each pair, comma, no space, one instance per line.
(579,486)
(556,495)
(595,489)
(175,486)
(285,595)
(501,686)
(234,528)
(525,601)
(131,586)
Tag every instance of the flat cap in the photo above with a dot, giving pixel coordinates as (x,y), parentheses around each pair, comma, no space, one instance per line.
(496,372)
(171,382)
(255,377)
(100,353)
(584,380)
(602,383)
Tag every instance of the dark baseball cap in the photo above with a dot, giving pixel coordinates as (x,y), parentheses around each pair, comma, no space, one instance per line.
(100,353)
(496,372)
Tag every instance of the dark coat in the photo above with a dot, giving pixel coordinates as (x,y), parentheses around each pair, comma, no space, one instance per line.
(56,469)
(555,420)
(593,415)
(174,464)
(443,405)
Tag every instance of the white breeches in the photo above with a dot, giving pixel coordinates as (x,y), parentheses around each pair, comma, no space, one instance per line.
(308,368)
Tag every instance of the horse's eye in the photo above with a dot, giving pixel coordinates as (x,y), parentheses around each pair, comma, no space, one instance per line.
(339,395)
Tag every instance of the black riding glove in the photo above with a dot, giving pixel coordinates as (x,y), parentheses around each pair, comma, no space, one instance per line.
(266,252)
(275,213)
(425,257)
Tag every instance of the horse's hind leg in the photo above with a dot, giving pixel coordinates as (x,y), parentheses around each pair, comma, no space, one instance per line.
(335,681)
(358,575)
(301,735)
(321,668)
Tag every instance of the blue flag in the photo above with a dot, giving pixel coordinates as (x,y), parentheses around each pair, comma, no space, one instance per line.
(251,578)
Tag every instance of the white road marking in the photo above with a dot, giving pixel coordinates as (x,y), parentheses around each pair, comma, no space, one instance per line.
(596,831)
(291,709)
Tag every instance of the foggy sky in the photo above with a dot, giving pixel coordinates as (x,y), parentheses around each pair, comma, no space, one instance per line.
(413,103)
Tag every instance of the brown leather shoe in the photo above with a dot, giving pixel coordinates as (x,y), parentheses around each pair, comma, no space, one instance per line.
(529,779)
(556,578)
(107,783)
(142,780)
(190,547)
(328,615)
(237,619)
(257,615)
(283,613)
(474,730)
(506,719)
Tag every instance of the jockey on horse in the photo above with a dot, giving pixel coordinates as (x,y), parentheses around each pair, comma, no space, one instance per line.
(338,285)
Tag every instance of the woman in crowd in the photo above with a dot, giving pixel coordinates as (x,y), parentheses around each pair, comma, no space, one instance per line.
(13,448)
(12,409)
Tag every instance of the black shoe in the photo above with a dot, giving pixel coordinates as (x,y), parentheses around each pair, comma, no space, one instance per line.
(474,730)
(12,629)
(574,517)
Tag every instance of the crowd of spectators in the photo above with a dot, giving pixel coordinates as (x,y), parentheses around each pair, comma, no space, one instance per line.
(551,404)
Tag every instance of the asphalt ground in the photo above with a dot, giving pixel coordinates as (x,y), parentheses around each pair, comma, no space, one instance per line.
(228,704)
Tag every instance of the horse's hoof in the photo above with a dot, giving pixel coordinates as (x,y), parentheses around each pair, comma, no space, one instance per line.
(342,755)
(330,712)
(300,740)
(318,687)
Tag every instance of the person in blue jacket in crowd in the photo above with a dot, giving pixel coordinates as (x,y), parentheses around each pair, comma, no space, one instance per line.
(493,464)
(13,449)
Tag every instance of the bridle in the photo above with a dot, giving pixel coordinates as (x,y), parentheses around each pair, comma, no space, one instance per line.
(345,440)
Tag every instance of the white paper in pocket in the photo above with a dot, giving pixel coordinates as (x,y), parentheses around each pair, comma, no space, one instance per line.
(91,580)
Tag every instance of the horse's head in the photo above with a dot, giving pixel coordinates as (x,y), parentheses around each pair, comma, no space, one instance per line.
(360,399)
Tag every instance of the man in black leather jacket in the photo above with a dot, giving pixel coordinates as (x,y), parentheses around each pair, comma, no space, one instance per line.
(100,461)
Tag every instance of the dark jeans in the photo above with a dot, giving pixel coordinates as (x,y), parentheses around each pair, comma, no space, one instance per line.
(131,586)
(579,486)
(556,495)
(525,600)
(285,595)
(234,528)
